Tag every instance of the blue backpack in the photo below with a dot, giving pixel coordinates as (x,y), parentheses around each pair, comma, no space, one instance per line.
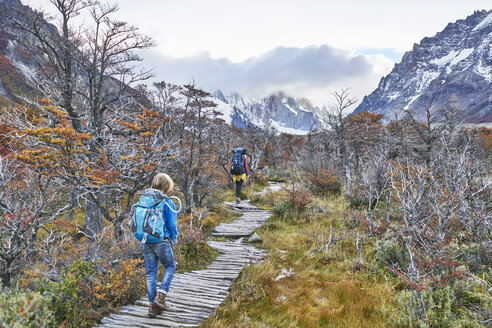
(147,223)
(237,163)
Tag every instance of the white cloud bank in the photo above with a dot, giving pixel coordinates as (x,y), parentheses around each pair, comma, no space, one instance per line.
(312,72)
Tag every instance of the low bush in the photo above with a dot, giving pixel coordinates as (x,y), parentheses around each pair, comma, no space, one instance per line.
(26,309)
(86,291)
(283,209)
(298,197)
(192,252)
(259,179)
(324,181)
(463,305)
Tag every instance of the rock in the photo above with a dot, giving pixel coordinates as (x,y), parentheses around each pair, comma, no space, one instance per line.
(254,238)
(319,209)
(265,170)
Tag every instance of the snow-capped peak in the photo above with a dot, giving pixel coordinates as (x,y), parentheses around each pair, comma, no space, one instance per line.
(453,68)
(286,114)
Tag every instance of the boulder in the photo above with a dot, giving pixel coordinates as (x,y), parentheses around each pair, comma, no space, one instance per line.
(254,238)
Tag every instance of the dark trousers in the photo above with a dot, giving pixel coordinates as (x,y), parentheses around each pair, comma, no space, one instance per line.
(239,184)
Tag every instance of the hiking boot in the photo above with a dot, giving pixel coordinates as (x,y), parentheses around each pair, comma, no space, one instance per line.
(160,303)
(238,200)
(152,311)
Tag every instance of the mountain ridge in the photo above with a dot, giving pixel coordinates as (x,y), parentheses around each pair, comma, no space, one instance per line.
(286,114)
(451,69)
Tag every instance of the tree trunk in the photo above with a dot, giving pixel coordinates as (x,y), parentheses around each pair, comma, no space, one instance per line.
(6,274)
(72,195)
(346,168)
(118,230)
(93,218)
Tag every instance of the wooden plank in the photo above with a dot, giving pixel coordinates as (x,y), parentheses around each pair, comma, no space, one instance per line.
(122,319)
(187,284)
(189,318)
(178,307)
(200,289)
(211,299)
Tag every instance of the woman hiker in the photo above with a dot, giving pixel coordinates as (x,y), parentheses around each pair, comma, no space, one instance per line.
(161,208)
(239,170)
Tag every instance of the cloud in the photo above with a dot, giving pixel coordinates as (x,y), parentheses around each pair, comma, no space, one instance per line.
(311,72)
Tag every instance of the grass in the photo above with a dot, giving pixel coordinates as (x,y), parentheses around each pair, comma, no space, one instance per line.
(325,289)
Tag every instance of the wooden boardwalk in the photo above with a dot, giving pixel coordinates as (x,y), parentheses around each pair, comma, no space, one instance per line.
(195,295)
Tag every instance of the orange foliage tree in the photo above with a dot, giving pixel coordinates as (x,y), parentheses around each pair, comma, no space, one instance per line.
(134,149)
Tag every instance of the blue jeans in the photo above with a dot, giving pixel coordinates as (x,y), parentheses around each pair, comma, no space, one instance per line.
(153,253)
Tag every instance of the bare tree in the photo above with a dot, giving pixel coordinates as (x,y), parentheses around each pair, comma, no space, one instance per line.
(335,119)
(28,200)
(193,122)
(89,71)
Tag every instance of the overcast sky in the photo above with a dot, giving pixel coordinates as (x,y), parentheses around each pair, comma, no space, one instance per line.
(305,48)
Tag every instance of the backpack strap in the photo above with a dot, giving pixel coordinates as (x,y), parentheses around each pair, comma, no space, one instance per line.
(156,214)
(134,211)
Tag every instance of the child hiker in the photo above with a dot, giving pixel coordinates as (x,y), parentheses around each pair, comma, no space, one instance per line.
(154,224)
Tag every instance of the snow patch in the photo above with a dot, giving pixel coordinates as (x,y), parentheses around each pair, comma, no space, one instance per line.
(462,55)
(446,59)
(486,21)
(225,109)
(284,129)
(412,100)
(295,112)
(485,71)
(285,102)
(394,96)
(425,79)
(453,58)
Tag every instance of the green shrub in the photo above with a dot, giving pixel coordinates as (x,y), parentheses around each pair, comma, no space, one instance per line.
(29,309)
(389,251)
(257,199)
(283,209)
(443,309)
(275,177)
(68,294)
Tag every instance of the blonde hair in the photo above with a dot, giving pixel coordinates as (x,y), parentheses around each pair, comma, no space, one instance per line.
(163,182)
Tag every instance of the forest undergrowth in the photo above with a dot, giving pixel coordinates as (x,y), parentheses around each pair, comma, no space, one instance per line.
(303,282)
(321,272)
(74,281)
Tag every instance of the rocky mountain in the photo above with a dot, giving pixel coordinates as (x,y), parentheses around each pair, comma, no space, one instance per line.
(452,68)
(17,66)
(286,114)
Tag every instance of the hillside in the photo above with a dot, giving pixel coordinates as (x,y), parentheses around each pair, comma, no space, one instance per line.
(16,64)
(452,68)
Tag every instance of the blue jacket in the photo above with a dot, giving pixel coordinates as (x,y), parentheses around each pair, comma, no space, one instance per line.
(166,204)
